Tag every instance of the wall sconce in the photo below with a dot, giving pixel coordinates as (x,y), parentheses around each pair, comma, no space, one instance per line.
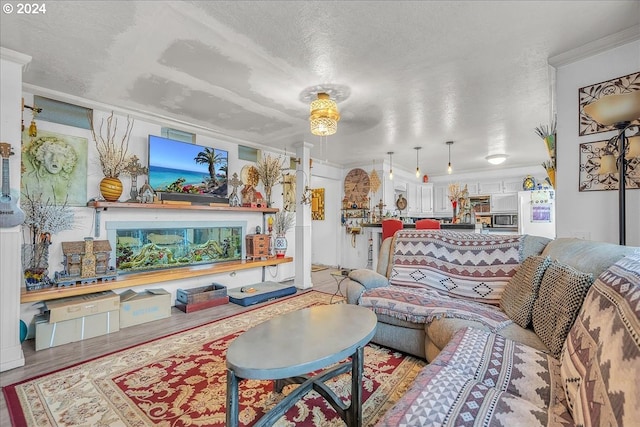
(390,153)
(33,129)
(449,170)
(618,110)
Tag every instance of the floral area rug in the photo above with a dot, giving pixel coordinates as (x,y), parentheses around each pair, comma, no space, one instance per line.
(180,380)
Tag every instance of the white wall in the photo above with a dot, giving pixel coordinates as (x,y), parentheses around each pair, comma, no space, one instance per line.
(591,215)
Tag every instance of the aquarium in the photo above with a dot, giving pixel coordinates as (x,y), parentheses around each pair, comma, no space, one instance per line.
(155,245)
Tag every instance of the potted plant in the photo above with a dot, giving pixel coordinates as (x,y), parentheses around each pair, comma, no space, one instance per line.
(283,221)
(43,218)
(112,154)
(270,172)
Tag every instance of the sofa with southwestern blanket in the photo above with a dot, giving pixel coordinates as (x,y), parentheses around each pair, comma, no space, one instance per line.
(495,315)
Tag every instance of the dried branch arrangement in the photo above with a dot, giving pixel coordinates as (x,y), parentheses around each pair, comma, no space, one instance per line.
(283,221)
(112,150)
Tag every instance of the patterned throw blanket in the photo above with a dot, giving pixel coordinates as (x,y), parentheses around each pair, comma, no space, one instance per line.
(464,265)
(423,305)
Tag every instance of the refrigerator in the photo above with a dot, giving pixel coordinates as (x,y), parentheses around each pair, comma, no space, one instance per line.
(537,213)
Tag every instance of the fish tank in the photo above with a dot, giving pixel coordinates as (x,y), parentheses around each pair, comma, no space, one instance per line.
(156,245)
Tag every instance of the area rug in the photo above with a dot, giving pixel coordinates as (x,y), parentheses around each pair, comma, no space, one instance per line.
(180,380)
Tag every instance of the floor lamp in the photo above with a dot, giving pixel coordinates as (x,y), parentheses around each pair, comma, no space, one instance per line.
(619,111)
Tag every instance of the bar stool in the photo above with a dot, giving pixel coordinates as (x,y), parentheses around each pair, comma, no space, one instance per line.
(390,226)
(427,224)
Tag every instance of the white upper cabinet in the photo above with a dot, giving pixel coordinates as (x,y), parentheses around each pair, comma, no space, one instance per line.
(512,186)
(472,186)
(507,202)
(490,187)
(426,193)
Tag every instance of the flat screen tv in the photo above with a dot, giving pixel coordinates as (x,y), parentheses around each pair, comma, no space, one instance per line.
(176,166)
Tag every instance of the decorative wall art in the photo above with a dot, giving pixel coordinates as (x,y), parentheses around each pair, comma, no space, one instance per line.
(317,204)
(289,192)
(55,166)
(588,94)
(591,180)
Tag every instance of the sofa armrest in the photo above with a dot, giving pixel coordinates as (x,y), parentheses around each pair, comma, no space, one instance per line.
(360,280)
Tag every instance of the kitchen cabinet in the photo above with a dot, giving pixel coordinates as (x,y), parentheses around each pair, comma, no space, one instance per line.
(441,202)
(490,187)
(507,202)
(426,198)
(513,186)
(419,198)
(473,187)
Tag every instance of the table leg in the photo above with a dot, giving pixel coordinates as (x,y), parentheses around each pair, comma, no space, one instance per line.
(232,399)
(354,413)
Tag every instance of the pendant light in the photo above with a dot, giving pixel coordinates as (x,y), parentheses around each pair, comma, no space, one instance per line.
(323,115)
(449,143)
(390,153)
(417,167)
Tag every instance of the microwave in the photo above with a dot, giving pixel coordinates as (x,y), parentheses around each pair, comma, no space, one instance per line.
(504,220)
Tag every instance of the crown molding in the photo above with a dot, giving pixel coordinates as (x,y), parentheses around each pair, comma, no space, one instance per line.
(13,56)
(606,43)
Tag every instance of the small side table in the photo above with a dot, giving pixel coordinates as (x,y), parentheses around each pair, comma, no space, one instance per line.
(339,276)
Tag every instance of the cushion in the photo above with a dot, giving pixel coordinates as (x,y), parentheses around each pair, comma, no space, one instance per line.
(599,365)
(368,278)
(561,294)
(522,290)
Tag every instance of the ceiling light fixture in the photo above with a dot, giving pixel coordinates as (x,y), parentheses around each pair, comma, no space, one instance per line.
(417,167)
(619,111)
(390,153)
(324,115)
(449,143)
(496,159)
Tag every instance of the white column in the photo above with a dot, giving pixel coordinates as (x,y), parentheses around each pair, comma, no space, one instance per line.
(11,355)
(302,258)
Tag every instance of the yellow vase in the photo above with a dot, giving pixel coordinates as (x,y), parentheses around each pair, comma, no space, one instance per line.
(110,188)
(552,177)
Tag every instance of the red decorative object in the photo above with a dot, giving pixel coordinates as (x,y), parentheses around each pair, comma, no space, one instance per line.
(425,178)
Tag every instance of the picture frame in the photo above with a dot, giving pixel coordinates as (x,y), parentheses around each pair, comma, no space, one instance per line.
(590,180)
(588,94)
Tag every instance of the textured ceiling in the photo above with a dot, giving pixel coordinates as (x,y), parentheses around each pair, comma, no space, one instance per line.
(418,73)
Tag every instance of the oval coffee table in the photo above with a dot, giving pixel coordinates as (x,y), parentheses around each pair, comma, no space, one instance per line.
(288,347)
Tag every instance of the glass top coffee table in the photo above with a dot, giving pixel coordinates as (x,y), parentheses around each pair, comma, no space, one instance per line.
(288,347)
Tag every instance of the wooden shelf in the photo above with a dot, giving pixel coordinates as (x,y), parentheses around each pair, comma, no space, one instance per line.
(148,278)
(106,205)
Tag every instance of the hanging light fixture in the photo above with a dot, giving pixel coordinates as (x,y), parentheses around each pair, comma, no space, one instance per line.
(324,115)
(417,166)
(449,143)
(390,153)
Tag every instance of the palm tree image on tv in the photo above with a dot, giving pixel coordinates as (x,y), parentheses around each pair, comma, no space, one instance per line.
(176,166)
(209,157)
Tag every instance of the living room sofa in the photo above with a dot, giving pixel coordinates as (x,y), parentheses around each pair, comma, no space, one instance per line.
(495,315)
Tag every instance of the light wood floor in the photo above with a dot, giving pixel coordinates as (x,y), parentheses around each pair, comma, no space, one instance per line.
(44,361)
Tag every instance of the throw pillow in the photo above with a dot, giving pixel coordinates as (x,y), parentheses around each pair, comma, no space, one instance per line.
(561,294)
(368,278)
(521,291)
(599,365)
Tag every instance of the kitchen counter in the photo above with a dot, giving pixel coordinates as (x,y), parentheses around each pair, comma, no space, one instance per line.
(442,226)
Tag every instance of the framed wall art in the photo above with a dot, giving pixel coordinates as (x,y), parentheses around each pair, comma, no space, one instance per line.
(55,166)
(590,160)
(317,204)
(588,94)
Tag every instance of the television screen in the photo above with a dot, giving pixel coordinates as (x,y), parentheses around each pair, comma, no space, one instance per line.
(188,168)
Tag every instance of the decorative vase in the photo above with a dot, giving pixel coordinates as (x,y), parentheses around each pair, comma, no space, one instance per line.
(280,245)
(110,188)
(552,177)
(454,203)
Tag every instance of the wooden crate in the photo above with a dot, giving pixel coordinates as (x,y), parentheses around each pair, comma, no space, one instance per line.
(201,294)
